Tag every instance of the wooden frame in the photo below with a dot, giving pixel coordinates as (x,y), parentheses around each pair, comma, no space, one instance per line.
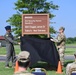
(35,24)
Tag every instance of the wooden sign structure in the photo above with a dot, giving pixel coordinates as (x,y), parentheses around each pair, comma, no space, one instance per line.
(35,24)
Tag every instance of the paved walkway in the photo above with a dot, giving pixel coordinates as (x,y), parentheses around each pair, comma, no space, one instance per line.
(67,57)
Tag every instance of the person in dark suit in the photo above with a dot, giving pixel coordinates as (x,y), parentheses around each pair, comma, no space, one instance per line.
(10,52)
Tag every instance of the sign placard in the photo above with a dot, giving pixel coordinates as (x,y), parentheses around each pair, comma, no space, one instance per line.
(35,24)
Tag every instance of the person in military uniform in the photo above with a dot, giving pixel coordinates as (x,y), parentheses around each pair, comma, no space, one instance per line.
(10,52)
(71,67)
(60,42)
(23,63)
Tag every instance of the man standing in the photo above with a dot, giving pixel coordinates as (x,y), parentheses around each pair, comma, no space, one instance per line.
(60,40)
(10,52)
(23,63)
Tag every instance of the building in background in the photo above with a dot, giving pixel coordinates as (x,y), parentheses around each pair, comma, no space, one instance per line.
(2,41)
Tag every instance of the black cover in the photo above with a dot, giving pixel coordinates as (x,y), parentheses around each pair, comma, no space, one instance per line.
(41,49)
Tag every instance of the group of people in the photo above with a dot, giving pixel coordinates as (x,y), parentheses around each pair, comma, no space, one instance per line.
(24,56)
(60,40)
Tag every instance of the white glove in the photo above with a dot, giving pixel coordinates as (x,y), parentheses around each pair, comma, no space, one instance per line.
(52,39)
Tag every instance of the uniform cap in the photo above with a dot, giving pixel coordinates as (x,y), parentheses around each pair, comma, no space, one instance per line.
(61,28)
(24,56)
(8,27)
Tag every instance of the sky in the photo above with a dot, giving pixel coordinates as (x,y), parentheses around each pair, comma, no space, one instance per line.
(65,16)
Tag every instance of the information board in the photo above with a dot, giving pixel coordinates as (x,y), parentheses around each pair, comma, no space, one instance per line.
(35,24)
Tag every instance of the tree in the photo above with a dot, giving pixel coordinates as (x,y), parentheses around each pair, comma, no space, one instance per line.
(71,40)
(29,7)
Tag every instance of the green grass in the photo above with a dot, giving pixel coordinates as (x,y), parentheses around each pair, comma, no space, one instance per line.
(71,44)
(3,50)
(10,71)
(68,51)
(4,71)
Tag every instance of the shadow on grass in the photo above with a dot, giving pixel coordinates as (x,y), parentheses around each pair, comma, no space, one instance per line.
(49,67)
(44,65)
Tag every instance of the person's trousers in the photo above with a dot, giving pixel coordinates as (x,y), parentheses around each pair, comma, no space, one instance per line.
(10,55)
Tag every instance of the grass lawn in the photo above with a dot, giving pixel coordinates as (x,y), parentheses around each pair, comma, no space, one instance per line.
(68,51)
(3,50)
(71,44)
(10,71)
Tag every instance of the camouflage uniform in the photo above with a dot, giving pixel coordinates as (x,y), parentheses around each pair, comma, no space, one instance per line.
(23,73)
(60,41)
(61,46)
(71,67)
(23,58)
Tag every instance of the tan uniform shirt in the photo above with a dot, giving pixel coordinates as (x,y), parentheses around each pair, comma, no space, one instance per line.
(71,67)
(60,40)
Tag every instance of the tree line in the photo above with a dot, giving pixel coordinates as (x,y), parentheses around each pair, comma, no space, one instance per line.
(71,40)
(31,7)
(34,7)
